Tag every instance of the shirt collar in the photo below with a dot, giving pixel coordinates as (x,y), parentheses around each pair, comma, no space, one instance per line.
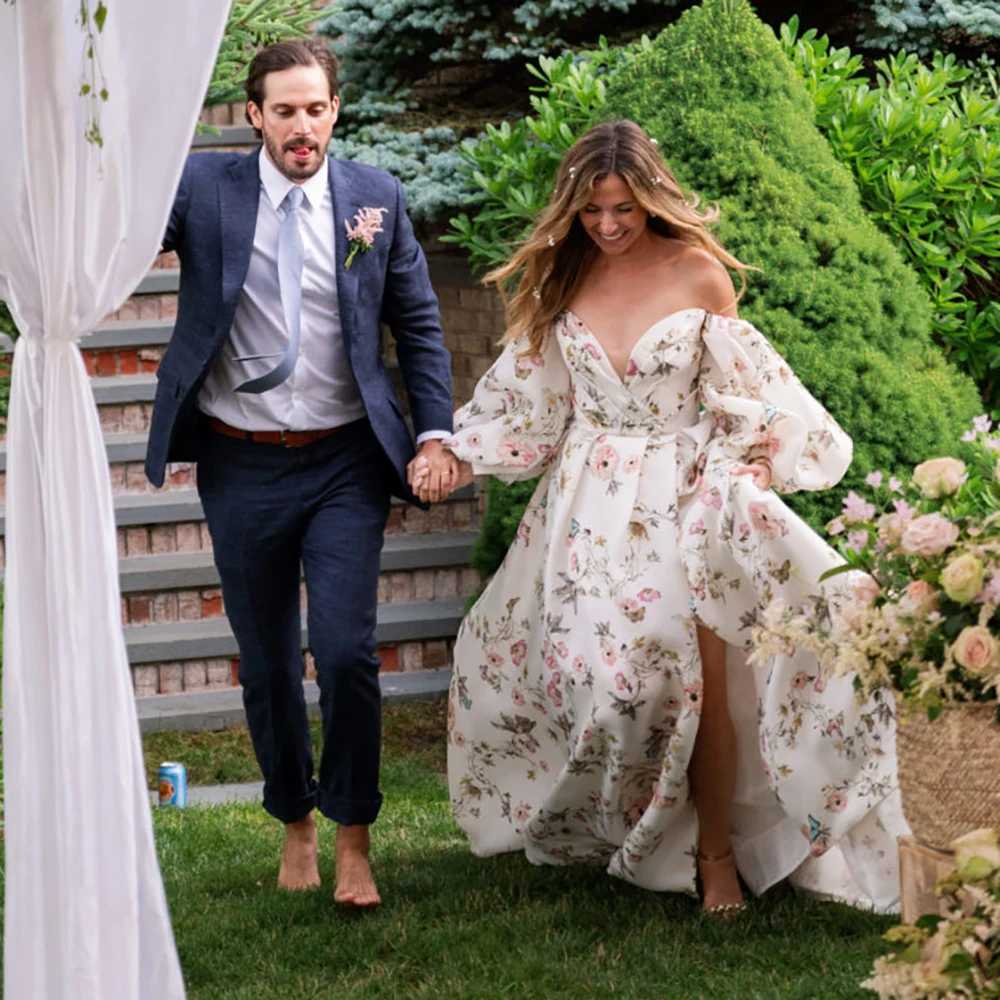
(277,185)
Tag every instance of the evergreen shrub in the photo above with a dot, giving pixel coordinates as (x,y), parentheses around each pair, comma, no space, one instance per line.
(735,123)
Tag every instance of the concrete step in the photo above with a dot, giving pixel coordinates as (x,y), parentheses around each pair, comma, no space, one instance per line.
(212,638)
(198,711)
(238,137)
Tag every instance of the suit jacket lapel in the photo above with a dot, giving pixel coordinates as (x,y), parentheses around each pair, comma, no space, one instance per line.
(344,208)
(239,195)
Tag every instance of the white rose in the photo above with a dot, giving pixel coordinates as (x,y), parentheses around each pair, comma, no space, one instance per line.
(978,844)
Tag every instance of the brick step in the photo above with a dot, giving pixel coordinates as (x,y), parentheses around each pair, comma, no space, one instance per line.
(126,460)
(196,570)
(185,586)
(126,348)
(402,664)
(173,521)
(191,655)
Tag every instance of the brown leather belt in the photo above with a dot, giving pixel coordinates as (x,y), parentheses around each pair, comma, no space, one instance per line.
(288,439)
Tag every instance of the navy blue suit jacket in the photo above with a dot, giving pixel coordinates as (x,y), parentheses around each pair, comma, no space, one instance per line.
(212,230)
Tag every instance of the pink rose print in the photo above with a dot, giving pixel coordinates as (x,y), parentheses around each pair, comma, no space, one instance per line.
(632,369)
(592,350)
(630,464)
(819,685)
(608,653)
(672,704)
(458,739)
(553,689)
(604,462)
(744,531)
(495,660)
(562,650)
(544,765)
(518,652)
(474,440)
(836,802)
(765,522)
(692,695)
(801,681)
(648,595)
(663,801)
(632,610)
(620,682)
(517,453)
(517,698)
(524,532)
(522,814)
(697,527)
(711,498)
(579,664)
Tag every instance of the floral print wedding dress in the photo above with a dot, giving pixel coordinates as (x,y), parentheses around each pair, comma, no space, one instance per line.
(576,693)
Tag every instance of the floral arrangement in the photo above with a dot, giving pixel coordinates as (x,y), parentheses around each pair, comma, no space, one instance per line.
(361,236)
(919,614)
(956,954)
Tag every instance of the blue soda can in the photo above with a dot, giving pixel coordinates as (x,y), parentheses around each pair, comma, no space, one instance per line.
(173,784)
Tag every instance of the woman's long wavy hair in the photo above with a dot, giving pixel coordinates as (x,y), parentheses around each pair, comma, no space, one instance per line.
(551,262)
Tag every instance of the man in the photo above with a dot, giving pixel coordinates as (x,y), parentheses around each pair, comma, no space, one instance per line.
(274,383)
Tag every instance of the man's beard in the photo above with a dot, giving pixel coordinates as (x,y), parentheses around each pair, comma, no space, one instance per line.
(293,171)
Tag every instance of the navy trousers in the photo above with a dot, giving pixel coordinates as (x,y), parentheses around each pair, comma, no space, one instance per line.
(320,510)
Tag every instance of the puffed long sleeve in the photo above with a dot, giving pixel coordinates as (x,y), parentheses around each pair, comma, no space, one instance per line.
(762,409)
(518,414)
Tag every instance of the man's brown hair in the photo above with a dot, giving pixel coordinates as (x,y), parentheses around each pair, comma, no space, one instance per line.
(285,55)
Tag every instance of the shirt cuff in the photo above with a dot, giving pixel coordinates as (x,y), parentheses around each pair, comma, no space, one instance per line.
(433,436)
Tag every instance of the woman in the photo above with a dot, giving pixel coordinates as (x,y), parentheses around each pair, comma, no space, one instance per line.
(602,708)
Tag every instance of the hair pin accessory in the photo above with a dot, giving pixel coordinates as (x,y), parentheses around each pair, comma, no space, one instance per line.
(537,292)
(552,241)
(653,141)
(572,171)
(657,180)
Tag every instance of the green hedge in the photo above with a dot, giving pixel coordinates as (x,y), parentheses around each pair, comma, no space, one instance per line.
(735,123)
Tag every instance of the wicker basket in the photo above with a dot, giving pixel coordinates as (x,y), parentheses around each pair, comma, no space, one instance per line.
(949,772)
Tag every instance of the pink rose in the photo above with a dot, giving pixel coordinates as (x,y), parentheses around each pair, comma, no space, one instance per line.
(919,599)
(517,697)
(801,680)
(975,649)
(458,739)
(518,651)
(928,535)
(940,477)
(648,594)
(867,590)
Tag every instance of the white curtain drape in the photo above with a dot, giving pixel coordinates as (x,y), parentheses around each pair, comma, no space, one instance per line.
(85,917)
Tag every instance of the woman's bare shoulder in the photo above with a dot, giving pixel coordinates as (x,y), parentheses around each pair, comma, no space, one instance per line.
(707,280)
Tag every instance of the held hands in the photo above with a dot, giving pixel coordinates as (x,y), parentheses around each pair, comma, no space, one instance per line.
(759,469)
(435,472)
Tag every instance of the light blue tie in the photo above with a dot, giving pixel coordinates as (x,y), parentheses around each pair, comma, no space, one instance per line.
(290,287)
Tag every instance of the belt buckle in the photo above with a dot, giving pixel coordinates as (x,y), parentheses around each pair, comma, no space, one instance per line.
(283,439)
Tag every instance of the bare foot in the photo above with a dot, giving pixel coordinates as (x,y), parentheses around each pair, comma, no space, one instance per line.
(298,859)
(720,885)
(355,884)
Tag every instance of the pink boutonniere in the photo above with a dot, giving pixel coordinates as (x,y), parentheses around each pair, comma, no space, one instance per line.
(361,236)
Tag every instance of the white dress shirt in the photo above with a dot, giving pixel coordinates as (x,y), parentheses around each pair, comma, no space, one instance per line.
(320,392)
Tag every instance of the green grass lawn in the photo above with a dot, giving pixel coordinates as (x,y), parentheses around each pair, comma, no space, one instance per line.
(454,927)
